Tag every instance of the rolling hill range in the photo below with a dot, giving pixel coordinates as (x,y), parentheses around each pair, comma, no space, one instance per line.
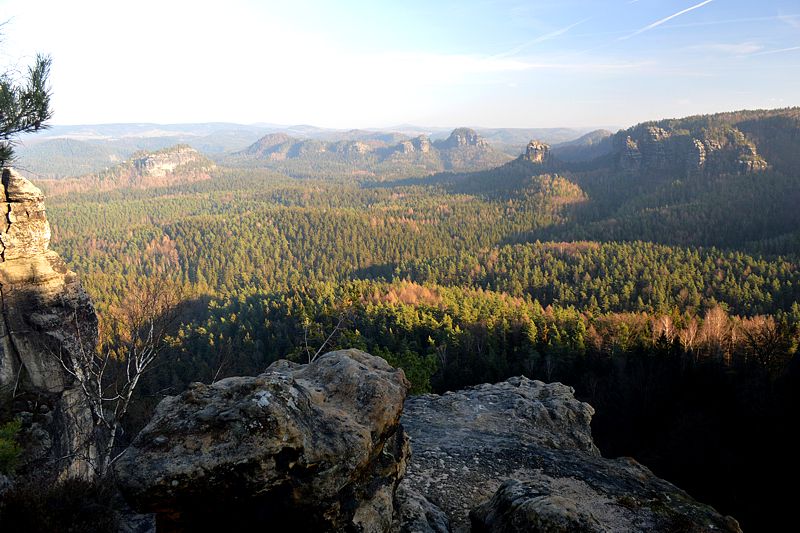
(71,151)
(372,155)
(719,180)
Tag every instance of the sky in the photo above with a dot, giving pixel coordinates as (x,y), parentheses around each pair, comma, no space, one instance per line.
(348,63)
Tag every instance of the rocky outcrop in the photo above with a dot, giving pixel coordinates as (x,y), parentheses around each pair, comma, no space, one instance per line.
(519,456)
(463,150)
(537,153)
(630,159)
(171,166)
(463,137)
(714,151)
(162,163)
(46,315)
(322,447)
(421,144)
(314,447)
(352,148)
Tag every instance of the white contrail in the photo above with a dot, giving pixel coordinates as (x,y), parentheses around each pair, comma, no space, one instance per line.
(770,52)
(540,39)
(665,19)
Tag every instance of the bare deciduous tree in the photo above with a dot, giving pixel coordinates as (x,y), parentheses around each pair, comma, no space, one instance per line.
(765,342)
(715,333)
(135,338)
(663,327)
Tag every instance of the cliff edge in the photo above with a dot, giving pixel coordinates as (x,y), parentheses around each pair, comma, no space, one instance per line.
(324,447)
(519,456)
(46,315)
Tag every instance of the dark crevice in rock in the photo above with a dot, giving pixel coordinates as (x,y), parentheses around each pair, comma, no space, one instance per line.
(16,358)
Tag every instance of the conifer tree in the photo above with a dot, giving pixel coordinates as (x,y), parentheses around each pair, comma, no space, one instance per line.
(24,104)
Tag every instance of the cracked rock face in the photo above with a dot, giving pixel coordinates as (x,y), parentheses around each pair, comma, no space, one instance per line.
(314,447)
(720,151)
(519,456)
(45,312)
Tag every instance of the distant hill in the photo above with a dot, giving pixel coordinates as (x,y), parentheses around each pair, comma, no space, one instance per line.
(372,154)
(513,140)
(65,157)
(710,145)
(72,151)
(144,170)
(590,146)
(720,180)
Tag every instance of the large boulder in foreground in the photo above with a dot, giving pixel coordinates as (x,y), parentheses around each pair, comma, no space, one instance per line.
(315,447)
(519,456)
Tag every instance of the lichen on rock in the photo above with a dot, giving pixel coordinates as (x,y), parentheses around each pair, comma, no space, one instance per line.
(312,447)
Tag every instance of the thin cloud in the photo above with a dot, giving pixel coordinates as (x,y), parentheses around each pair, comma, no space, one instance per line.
(784,18)
(665,19)
(540,39)
(791,20)
(778,51)
(738,49)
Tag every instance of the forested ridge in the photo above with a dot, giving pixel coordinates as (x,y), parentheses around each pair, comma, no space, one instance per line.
(670,302)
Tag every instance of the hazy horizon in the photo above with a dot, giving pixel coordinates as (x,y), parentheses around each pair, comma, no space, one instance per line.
(510,64)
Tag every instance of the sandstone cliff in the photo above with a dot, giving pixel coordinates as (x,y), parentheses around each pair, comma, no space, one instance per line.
(45,314)
(650,148)
(537,152)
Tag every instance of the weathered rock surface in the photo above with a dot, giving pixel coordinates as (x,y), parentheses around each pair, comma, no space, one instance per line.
(415,514)
(520,454)
(314,447)
(45,313)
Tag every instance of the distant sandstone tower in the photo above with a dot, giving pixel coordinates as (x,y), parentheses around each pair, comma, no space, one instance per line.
(45,314)
(537,152)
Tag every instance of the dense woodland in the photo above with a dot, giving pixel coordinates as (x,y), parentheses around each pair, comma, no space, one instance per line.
(669,303)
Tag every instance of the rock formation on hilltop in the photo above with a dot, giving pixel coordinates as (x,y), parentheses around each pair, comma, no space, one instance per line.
(537,153)
(649,148)
(171,166)
(462,137)
(463,150)
(45,313)
(421,144)
(322,447)
(166,162)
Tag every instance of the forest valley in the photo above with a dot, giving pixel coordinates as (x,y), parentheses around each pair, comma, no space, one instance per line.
(664,291)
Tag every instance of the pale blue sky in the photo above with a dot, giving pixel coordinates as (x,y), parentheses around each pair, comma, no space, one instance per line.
(373,63)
